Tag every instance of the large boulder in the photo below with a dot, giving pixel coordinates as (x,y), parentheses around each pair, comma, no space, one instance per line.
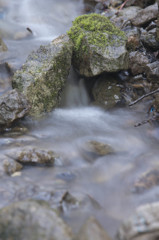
(143,225)
(99,46)
(32,220)
(43,76)
(13,106)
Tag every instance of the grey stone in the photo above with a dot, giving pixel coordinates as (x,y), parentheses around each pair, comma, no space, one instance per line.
(140,3)
(148,39)
(137,62)
(143,225)
(157,31)
(13,106)
(126,14)
(11,166)
(43,76)
(107,92)
(92,230)
(32,220)
(146,15)
(152,71)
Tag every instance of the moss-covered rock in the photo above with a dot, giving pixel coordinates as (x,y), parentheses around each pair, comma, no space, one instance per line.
(99,46)
(43,76)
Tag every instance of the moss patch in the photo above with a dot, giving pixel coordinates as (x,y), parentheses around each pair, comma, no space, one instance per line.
(96,29)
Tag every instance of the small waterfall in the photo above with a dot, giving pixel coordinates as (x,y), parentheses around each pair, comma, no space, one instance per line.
(75,94)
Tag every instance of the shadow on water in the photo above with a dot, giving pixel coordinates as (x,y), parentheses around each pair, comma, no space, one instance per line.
(104,184)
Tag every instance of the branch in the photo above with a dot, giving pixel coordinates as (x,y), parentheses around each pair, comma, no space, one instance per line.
(146,95)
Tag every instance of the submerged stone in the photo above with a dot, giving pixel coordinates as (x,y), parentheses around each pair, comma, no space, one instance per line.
(43,76)
(143,225)
(35,156)
(92,230)
(32,220)
(3,47)
(99,46)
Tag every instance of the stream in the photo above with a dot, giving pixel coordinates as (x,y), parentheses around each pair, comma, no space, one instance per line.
(105,184)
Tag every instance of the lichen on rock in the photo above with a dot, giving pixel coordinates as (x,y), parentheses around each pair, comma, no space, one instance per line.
(99,46)
(43,76)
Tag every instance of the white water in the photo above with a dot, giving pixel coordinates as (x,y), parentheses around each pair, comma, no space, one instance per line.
(108,180)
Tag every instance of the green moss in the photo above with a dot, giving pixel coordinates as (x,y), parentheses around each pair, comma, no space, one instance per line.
(96,30)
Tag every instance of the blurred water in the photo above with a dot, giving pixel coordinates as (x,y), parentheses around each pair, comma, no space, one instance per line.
(107,181)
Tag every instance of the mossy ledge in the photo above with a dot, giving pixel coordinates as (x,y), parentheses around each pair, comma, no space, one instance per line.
(102,32)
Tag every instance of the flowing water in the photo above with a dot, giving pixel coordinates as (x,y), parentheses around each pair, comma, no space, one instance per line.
(104,184)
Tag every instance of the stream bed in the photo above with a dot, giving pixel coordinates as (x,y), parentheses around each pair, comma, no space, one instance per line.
(104,184)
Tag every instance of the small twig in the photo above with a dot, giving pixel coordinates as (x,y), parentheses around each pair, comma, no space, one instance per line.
(146,95)
(143,122)
(122,5)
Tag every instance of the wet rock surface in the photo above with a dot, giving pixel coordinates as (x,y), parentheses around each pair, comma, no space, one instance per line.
(107,92)
(43,76)
(3,46)
(92,230)
(99,46)
(32,220)
(94,149)
(11,166)
(35,156)
(146,181)
(143,225)
(13,106)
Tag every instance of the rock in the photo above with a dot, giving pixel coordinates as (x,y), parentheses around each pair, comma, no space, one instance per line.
(115,3)
(107,92)
(32,220)
(92,230)
(143,225)
(157,30)
(137,62)
(98,148)
(125,15)
(152,71)
(146,181)
(140,3)
(43,76)
(13,106)
(99,46)
(133,42)
(35,156)
(146,15)
(148,39)
(68,202)
(3,47)
(93,149)
(11,166)
(23,34)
